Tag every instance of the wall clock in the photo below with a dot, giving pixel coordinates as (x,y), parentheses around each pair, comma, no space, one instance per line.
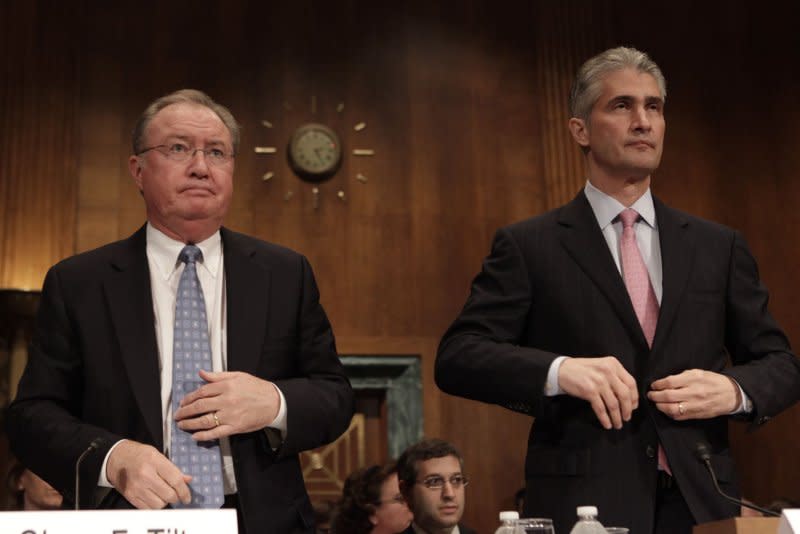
(314,151)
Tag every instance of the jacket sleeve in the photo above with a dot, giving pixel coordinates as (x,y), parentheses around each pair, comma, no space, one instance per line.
(319,398)
(480,356)
(763,363)
(44,421)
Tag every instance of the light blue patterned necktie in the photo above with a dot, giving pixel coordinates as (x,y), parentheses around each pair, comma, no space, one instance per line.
(191,351)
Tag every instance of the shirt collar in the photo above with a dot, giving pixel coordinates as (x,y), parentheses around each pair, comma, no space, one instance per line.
(606,208)
(163,252)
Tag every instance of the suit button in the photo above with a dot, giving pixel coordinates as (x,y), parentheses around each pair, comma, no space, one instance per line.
(650,451)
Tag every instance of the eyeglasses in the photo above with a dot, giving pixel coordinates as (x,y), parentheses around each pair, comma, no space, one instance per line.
(181,153)
(436,482)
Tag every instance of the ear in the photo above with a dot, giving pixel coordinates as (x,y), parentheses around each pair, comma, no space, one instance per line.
(579,131)
(135,168)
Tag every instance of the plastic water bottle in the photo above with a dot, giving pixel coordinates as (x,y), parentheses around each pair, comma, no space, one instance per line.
(508,523)
(587,522)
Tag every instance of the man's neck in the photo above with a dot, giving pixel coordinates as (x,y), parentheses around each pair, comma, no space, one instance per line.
(187,231)
(625,190)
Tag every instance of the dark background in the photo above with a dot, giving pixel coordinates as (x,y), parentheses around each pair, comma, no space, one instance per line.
(465,106)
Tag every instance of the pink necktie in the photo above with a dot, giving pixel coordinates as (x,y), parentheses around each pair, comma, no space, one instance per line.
(640,290)
(637,280)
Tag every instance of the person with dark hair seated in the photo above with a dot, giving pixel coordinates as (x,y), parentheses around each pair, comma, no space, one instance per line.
(432,481)
(29,492)
(372,504)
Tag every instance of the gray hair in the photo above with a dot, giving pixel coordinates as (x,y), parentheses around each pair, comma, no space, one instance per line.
(184,96)
(587,86)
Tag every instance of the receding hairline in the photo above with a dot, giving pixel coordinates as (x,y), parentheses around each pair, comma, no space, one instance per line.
(603,80)
(183,96)
(182,135)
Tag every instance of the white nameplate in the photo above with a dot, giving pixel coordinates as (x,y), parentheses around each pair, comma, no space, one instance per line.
(790,521)
(120,522)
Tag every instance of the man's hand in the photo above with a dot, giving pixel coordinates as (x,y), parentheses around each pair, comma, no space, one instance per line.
(605,384)
(145,477)
(240,401)
(695,394)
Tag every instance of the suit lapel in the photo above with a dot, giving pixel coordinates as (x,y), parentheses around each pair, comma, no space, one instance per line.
(677,256)
(247,297)
(582,238)
(130,305)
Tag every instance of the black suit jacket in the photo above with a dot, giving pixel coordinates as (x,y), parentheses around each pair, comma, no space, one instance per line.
(550,287)
(93,372)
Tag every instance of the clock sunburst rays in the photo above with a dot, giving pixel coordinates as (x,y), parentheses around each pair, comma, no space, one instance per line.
(314,153)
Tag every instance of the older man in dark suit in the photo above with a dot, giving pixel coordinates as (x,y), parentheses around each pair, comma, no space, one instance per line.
(197,361)
(611,320)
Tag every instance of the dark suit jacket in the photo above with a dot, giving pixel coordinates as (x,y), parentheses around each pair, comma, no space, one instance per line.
(93,372)
(550,287)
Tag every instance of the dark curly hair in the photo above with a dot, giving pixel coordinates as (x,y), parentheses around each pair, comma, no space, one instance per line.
(361,497)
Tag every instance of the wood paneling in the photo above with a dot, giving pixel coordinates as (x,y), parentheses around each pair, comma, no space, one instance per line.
(38,152)
(465,106)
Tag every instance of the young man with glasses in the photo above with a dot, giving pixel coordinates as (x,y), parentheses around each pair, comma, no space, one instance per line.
(432,481)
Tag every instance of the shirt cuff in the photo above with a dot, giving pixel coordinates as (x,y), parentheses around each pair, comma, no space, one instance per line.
(276,430)
(551,387)
(746,406)
(102,479)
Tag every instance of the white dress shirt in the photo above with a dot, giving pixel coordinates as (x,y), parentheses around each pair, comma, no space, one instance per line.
(165,274)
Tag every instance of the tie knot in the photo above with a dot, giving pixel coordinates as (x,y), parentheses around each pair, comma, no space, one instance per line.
(190,254)
(628,216)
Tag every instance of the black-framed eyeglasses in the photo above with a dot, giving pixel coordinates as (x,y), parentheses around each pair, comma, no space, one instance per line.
(436,482)
(181,153)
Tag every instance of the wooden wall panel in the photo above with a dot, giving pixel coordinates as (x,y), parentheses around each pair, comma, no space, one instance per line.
(104,146)
(465,108)
(38,91)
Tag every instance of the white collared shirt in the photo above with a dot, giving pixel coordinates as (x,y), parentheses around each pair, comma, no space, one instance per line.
(165,274)
(607,209)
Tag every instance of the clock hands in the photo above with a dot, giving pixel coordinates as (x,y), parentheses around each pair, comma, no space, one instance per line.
(319,156)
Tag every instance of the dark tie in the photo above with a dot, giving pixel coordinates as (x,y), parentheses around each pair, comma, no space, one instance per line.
(191,352)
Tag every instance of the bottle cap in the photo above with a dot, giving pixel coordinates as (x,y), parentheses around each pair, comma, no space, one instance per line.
(508,515)
(587,510)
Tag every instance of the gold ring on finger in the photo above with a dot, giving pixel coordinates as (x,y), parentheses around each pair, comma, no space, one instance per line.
(216,419)
(681,409)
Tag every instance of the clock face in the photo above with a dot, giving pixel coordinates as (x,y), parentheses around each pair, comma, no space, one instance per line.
(315,152)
